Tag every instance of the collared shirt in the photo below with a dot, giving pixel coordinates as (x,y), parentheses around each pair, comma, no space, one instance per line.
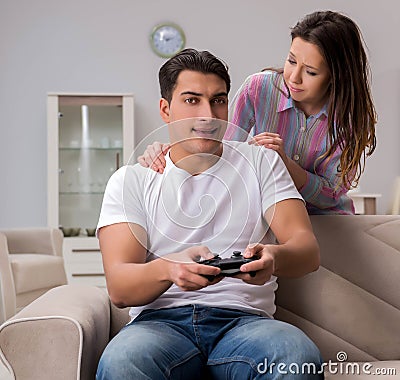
(261,105)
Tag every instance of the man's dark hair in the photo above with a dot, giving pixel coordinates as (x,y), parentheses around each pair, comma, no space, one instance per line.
(194,60)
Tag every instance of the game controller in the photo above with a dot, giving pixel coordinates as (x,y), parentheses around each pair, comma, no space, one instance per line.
(229,266)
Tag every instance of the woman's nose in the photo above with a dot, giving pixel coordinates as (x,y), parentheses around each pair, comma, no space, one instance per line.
(295,76)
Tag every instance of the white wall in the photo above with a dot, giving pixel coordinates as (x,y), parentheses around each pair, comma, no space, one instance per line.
(102,46)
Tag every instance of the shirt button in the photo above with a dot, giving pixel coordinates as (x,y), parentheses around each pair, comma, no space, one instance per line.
(296,157)
(302,129)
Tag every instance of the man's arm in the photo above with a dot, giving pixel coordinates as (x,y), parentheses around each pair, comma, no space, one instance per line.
(297,252)
(133,282)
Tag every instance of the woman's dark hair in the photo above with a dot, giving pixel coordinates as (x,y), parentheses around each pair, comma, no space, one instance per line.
(194,60)
(351,110)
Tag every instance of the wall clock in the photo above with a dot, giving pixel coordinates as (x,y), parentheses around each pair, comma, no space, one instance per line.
(167,39)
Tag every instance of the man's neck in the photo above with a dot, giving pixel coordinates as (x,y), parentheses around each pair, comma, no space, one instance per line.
(194,163)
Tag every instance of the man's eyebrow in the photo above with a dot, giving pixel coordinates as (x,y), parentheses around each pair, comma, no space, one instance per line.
(190,93)
(223,93)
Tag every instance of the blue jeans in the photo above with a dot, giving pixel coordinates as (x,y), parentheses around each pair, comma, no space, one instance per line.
(199,342)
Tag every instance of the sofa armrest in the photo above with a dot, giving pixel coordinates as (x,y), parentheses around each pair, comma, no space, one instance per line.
(59,336)
(43,240)
(7,295)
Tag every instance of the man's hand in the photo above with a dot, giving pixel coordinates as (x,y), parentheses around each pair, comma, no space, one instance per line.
(154,156)
(263,267)
(186,273)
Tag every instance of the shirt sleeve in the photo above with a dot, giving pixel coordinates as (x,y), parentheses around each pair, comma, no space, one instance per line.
(275,180)
(123,199)
(323,189)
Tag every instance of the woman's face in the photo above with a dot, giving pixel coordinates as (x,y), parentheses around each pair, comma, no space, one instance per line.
(307,76)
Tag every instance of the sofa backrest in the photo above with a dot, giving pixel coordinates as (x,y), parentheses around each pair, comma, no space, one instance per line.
(352,303)
(43,240)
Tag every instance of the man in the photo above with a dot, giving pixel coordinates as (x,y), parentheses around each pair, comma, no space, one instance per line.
(213,197)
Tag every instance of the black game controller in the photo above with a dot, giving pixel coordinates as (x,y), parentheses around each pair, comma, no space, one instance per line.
(229,266)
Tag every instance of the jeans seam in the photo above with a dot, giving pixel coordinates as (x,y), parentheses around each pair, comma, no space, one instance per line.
(228,360)
(181,361)
(195,320)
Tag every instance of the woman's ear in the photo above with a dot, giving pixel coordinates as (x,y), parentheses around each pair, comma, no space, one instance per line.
(164,110)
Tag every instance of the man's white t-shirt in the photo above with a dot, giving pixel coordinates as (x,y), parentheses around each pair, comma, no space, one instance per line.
(221,208)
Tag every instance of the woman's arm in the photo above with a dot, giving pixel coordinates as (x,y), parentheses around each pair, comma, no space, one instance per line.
(321,188)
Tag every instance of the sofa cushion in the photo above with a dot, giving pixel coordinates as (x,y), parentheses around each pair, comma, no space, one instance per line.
(35,271)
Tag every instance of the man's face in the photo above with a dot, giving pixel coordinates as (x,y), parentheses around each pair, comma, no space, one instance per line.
(197,114)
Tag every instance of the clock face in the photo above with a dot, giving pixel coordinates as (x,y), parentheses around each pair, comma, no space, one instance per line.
(167,39)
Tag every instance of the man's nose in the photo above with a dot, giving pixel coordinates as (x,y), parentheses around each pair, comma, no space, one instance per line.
(206,111)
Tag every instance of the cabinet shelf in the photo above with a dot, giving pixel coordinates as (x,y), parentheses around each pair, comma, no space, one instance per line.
(78,149)
(63,193)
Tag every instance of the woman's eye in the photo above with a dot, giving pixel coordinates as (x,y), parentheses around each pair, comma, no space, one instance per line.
(291,61)
(311,73)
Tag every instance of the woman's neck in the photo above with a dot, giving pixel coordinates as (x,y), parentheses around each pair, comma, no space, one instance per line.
(309,108)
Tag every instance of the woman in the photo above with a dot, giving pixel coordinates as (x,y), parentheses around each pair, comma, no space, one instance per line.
(317,112)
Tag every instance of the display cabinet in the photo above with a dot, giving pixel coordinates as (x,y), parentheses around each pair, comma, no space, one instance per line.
(89,137)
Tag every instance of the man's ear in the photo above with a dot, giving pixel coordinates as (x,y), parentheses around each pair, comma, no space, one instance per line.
(164,110)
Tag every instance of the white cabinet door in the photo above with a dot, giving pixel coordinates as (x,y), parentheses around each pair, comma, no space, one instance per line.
(89,137)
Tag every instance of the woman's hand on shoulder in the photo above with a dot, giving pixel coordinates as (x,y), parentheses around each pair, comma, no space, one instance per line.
(271,141)
(154,156)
